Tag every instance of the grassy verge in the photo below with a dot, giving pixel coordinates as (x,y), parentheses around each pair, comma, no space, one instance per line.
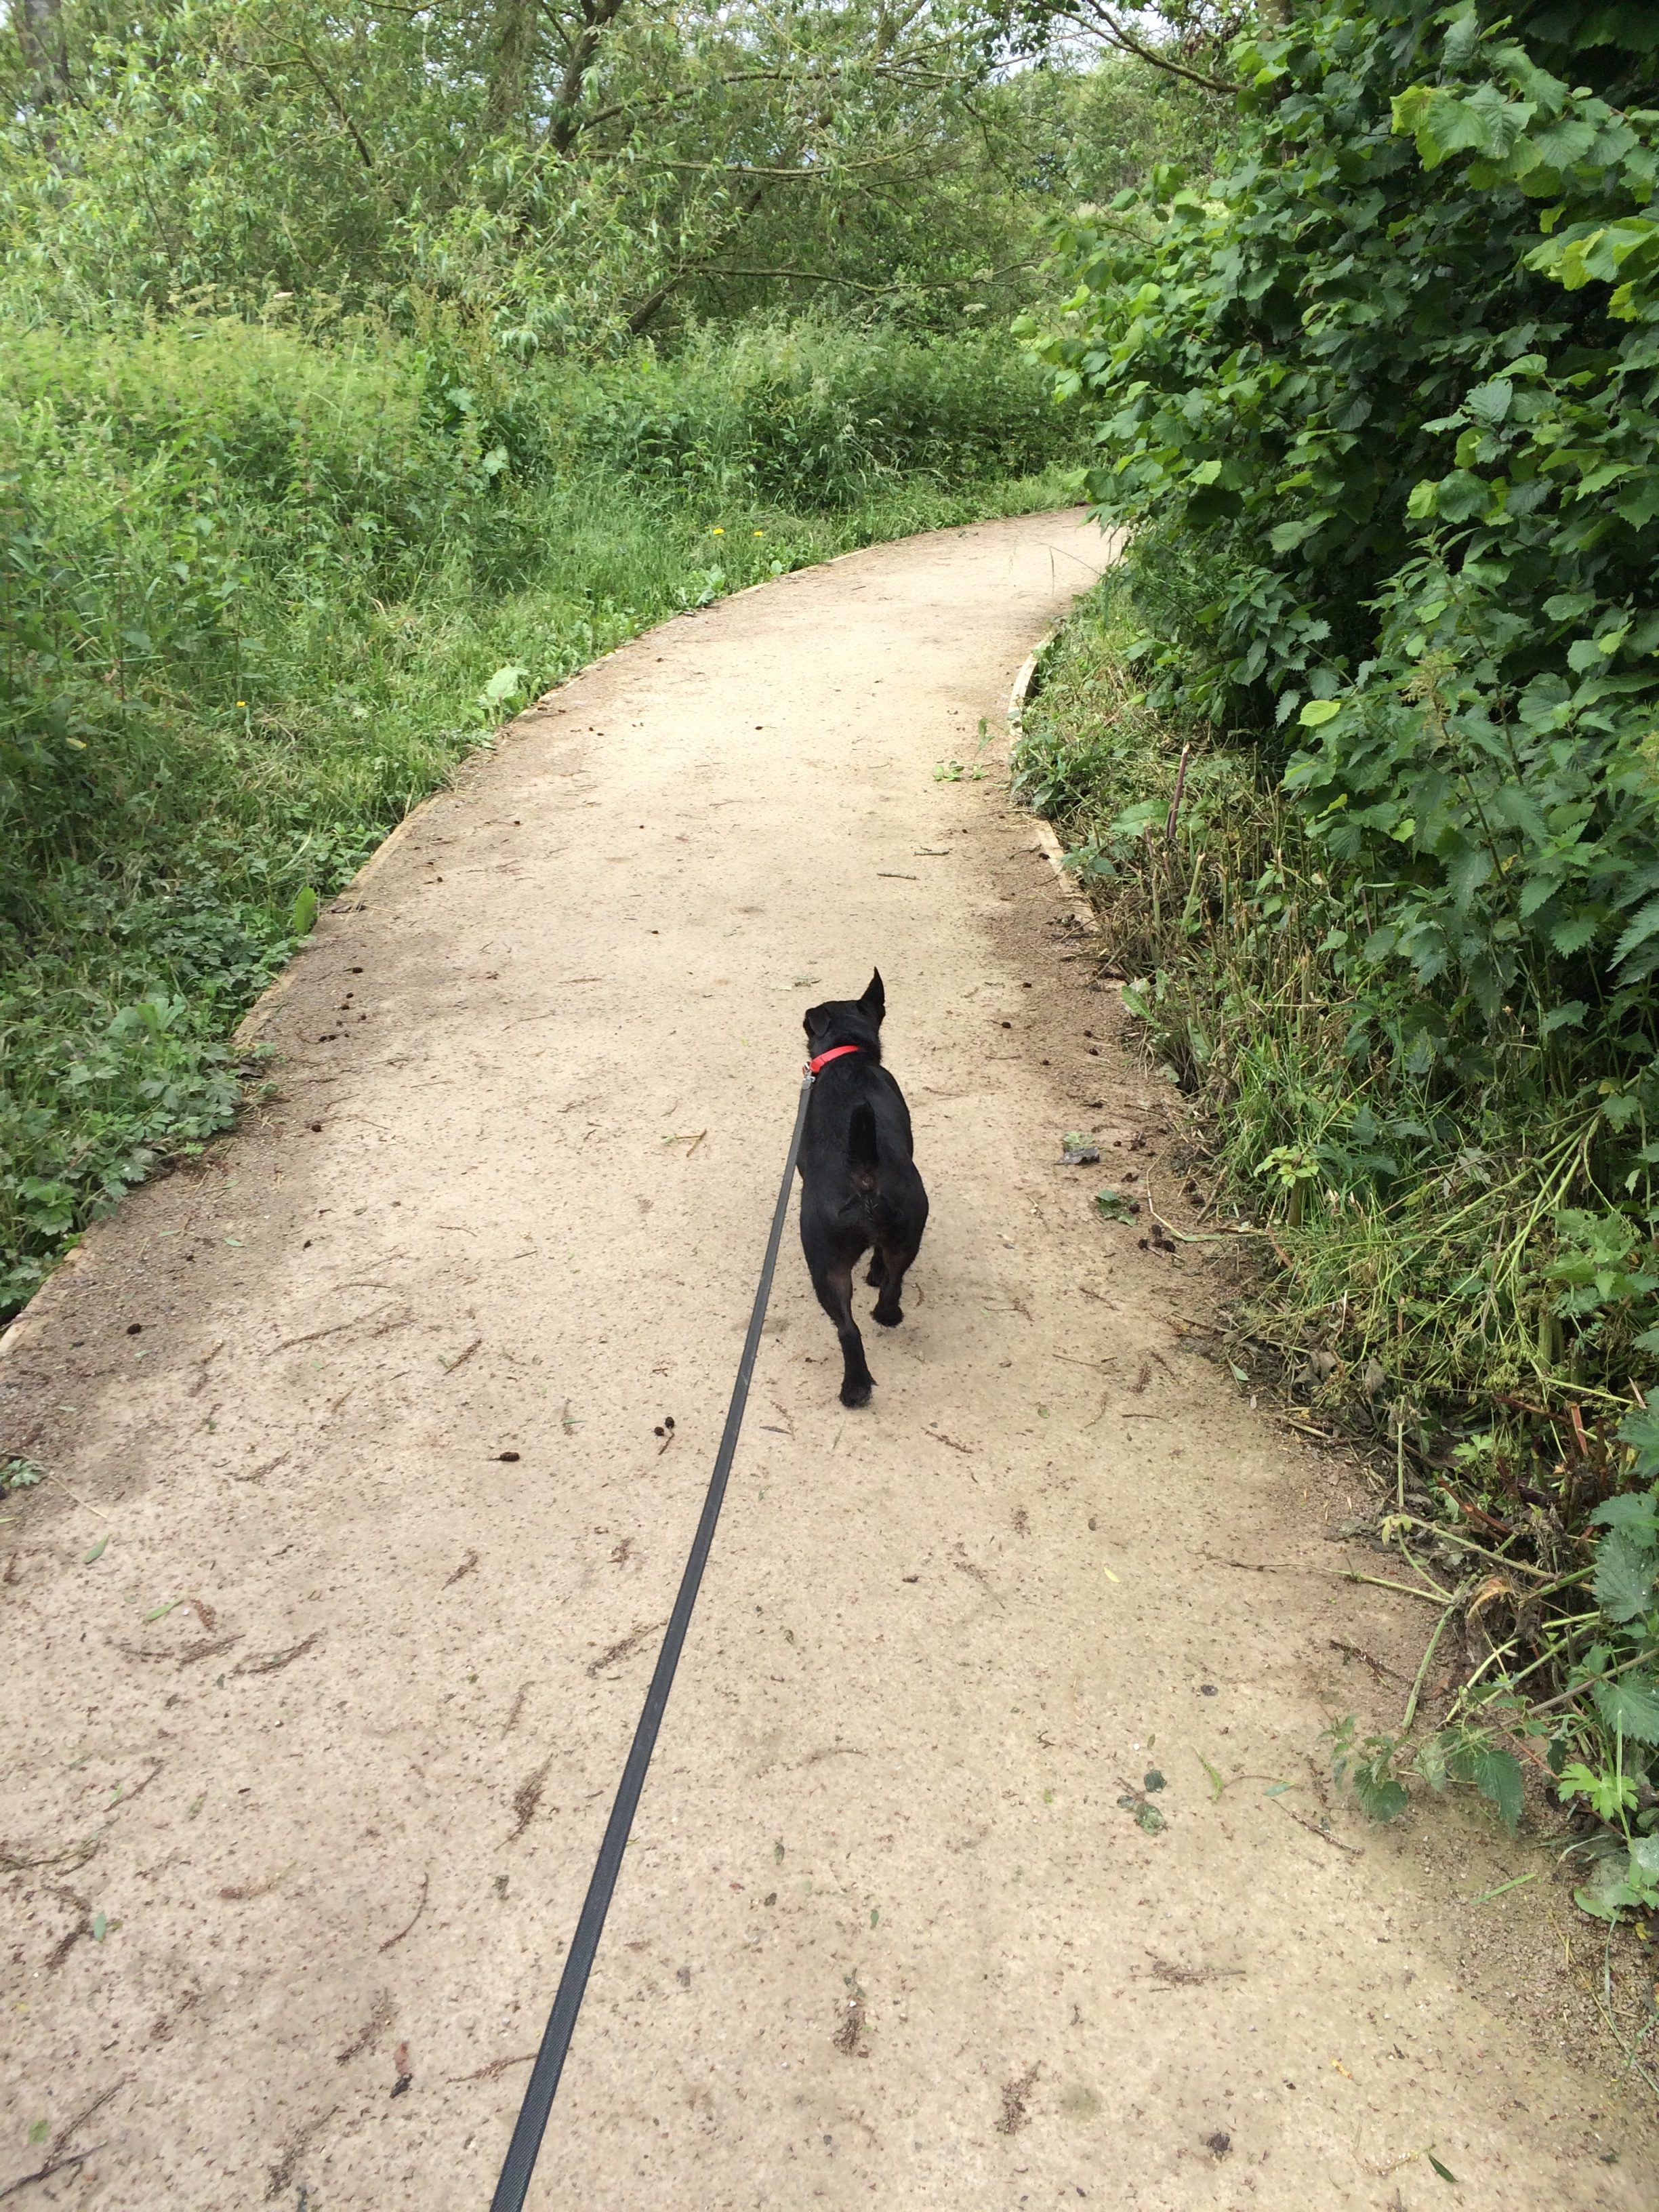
(260,590)
(1445,1275)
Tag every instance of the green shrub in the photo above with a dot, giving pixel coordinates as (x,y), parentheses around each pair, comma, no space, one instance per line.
(1379,403)
(1396,390)
(1440,1222)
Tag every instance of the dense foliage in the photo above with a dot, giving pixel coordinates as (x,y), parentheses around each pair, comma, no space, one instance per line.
(1395,373)
(563,169)
(1380,400)
(566,173)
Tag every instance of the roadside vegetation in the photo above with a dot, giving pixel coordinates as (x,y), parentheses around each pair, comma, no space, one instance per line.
(1358,756)
(367,369)
(262,587)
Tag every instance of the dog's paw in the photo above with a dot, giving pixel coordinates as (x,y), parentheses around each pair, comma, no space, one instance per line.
(856,1394)
(889,1319)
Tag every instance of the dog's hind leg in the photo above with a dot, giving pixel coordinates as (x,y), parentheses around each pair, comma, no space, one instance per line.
(895,1264)
(877,1274)
(834,1285)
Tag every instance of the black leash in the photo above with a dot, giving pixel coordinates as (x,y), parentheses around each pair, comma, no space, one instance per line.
(520,2161)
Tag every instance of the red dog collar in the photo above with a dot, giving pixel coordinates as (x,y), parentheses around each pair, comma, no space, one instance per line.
(836,1052)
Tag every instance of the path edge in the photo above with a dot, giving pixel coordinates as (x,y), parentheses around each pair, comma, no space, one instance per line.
(1019,698)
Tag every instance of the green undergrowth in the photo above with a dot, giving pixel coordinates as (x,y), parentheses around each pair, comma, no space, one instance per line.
(1445,1273)
(1375,401)
(262,588)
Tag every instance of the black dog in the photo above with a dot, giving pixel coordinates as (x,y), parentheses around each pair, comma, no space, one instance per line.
(858,1183)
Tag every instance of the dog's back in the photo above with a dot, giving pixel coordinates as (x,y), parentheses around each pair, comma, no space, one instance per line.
(860,1186)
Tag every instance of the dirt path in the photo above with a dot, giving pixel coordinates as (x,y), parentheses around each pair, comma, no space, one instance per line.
(376,1402)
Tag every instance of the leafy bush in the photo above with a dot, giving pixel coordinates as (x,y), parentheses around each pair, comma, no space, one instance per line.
(1397,389)
(1439,1229)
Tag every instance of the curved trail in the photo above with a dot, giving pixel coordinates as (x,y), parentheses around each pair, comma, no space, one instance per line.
(387,1444)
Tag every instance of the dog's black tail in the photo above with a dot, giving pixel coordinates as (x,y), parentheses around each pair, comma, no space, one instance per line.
(862,1157)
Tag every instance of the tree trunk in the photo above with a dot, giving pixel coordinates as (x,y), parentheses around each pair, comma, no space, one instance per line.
(566,127)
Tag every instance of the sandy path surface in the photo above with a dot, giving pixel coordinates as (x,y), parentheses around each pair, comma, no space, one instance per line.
(371,1399)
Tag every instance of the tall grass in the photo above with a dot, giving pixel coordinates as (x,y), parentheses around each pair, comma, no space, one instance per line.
(818,414)
(261,588)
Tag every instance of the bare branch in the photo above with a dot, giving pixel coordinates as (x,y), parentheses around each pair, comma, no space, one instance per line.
(1092,14)
(649,308)
(812,176)
(341,114)
(806,276)
(739,76)
(876,291)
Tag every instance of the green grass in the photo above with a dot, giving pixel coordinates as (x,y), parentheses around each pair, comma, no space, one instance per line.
(262,590)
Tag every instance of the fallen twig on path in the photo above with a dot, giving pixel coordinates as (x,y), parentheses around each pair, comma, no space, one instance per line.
(1265,1566)
(316,1336)
(1358,1652)
(272,1662)
(496,2066)
(419,1909)
(59,1483)
(1354,1851)
(58,2159)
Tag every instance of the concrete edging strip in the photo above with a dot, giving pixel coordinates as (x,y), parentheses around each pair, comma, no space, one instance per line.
(1047,844)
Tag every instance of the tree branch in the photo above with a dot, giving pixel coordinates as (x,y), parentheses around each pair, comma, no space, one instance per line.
(876,291)
(566,126)
(797,175)
(888,31)
(739,76)
(806,275)
(1102,18)
(647,312)
(340,111)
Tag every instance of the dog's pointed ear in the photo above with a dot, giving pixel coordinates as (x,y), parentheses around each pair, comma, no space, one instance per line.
(874,1001)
